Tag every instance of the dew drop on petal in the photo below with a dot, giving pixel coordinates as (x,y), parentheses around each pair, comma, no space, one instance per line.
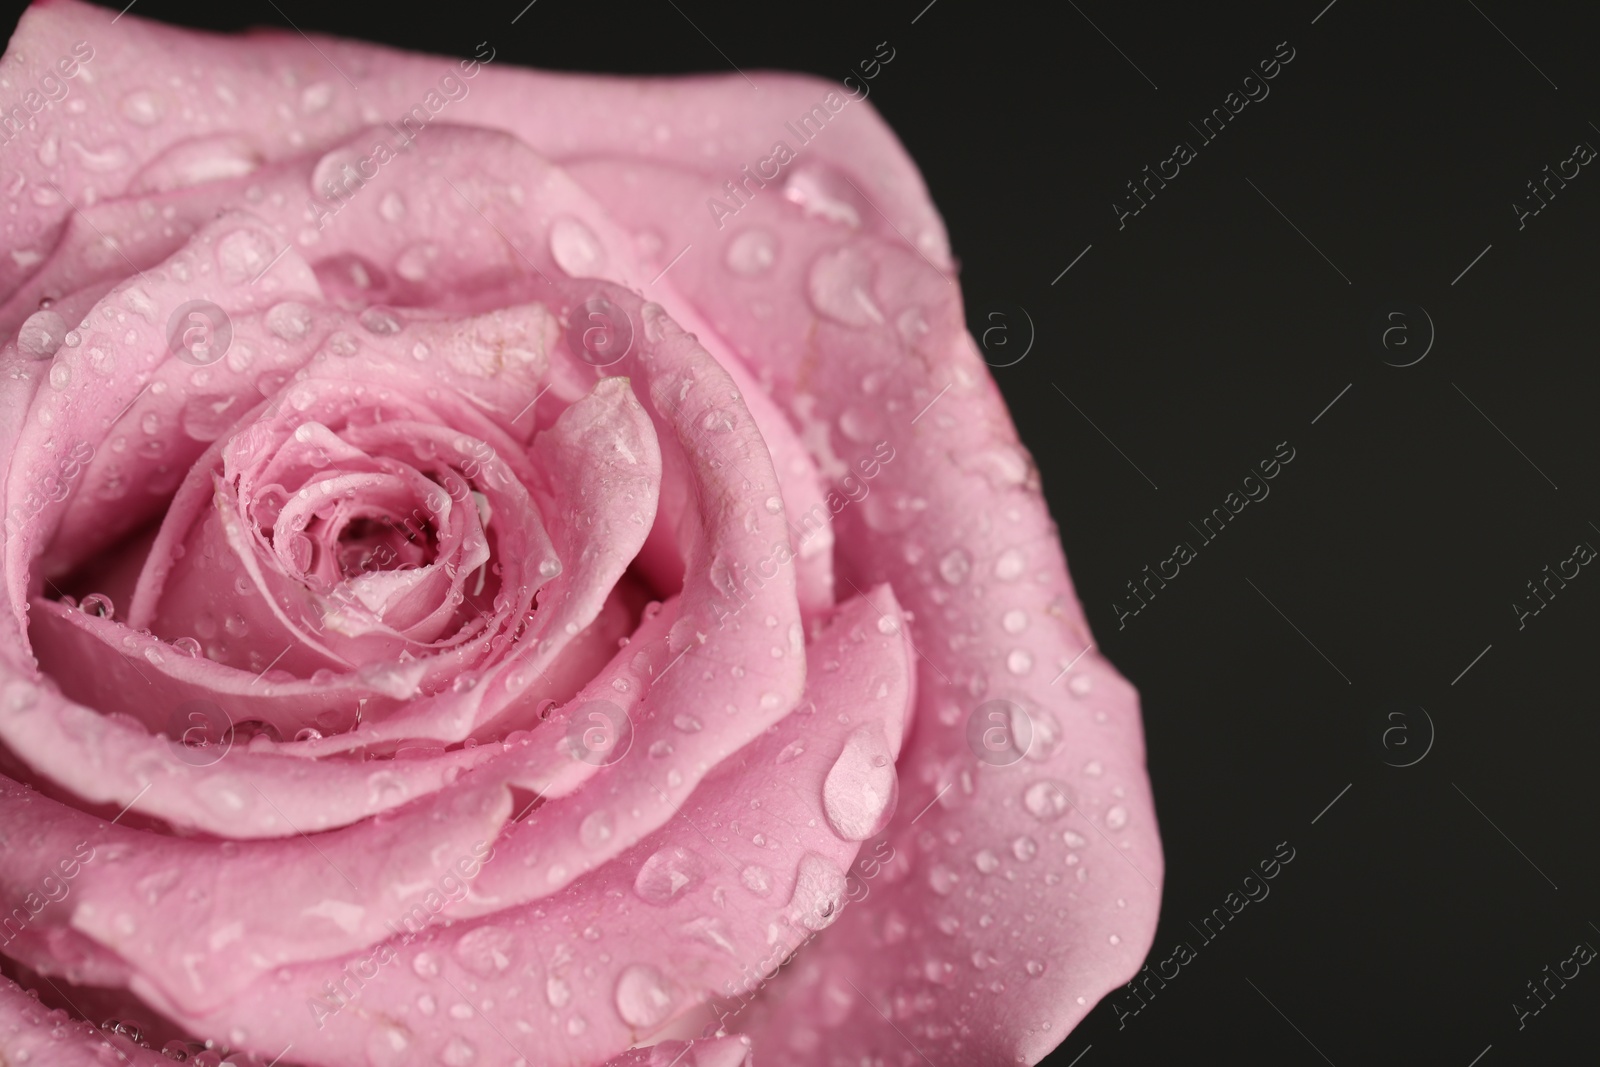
(41,335)
(1046,800)
(644,999)
(859,793)
(840,288)
(819,892)
(596,829)
(575,248)
(752,253)
(668,873)
(955,565)
(486,950)
(289,320)
(757,879)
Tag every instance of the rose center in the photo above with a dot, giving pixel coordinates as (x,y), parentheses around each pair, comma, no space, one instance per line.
(385,544)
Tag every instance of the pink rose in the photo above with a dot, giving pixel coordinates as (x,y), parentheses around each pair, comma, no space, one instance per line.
(499,562)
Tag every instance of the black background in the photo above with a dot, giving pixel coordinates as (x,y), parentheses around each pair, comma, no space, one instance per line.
(1197,337)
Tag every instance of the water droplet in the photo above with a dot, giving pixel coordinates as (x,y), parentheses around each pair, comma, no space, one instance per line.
(840,287)
(142,108)
(557,992)
(204,418)
(752,253)
(596,828)
(941,879)
(243,254)
(1034,968)
(1024,848)
(644,999)
(486,951)
(575,248)
(289,320)
(955,566)
(793,750)
(316,97)
(667,874)
(1008,568)
(1073,839)
(821,191)
(60,376)
(757,879)
(341,344)
(687,723)
(187,645)
(1117,817)
(859,793)
(425,964)
(986,861)
(1019,661)
(380,320)
(819,891)
(1046,800)
(41,335)
(98,605)
(1015,621)
(392,207)
(415,262)
(458,1052)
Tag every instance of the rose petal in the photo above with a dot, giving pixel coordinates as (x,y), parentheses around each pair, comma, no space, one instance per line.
(733,907)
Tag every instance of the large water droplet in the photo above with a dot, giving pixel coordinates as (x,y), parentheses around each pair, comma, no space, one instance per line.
(458,1052)
(243,254)
(757,879)
(752,253)
(205,417)
(486,951)
(667,874)
(289,320)
(859,793)
(840,287)
(819,890)
(415,262)
(595,830)
(955,565)
(41,335)
(575,248)
(822,191)
(644,998)
(1046,800)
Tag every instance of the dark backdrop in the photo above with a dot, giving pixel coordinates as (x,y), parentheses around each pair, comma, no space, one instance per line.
(1362,615)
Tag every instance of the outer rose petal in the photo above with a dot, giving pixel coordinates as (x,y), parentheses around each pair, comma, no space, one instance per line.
(255,123)
(955,522)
